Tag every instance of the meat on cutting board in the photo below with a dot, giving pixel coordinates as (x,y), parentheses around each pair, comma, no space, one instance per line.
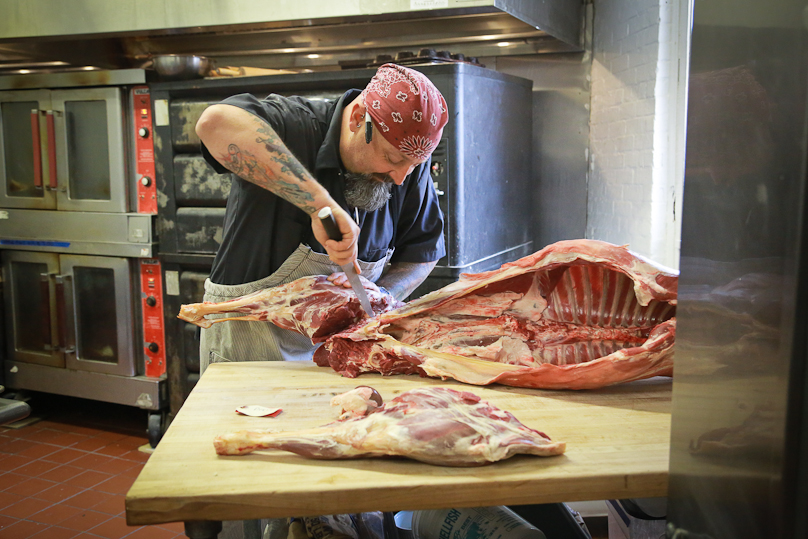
(578,314)
(435,425)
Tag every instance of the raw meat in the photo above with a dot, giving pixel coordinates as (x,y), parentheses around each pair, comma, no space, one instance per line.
(357,402)
(312,306)
(578,314)
(435,425)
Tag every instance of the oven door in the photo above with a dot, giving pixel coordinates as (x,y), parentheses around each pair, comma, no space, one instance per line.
(89,147)
(31,313)
(24,161)
(100,313)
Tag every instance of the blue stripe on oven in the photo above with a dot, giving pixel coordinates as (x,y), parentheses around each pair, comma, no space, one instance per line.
(36,243)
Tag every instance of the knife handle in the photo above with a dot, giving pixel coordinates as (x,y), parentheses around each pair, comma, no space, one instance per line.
(329,223)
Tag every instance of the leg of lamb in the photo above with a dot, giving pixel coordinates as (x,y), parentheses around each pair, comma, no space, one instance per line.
(435,425)
(576,315)
(312,306)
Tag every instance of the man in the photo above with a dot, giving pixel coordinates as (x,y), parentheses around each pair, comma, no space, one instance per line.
(366,156)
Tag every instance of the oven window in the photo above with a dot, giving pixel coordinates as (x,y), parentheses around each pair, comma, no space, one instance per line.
(31,309)
(96,317)
(18,149)
(87,150)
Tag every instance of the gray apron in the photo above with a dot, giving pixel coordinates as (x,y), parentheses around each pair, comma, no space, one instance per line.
(263,341)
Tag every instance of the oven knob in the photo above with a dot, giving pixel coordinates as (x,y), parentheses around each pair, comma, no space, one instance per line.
(145,181)
(143,132)
(153,347)
(437,168)
(151,301)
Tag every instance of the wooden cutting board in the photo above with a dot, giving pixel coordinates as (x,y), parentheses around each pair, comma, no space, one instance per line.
(617,447)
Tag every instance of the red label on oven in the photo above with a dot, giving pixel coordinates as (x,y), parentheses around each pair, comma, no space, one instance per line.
(154,340)
(144,151)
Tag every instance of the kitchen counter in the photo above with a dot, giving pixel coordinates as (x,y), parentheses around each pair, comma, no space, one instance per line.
(617,447)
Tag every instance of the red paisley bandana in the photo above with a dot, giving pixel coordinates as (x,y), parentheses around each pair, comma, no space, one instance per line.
(407,108)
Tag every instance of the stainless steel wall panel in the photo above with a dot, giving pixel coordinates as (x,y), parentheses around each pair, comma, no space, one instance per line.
(560,156)
(738,453)
(488,156)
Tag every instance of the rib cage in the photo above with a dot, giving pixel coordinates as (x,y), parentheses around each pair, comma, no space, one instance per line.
(591,312)
(581,352)
(591,295)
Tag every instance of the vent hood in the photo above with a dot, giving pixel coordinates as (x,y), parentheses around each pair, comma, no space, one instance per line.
(295,34)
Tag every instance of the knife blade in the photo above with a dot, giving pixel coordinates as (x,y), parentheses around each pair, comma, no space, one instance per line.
(330,225)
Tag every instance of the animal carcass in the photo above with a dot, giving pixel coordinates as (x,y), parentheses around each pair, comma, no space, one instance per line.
(576,315)
(435,425)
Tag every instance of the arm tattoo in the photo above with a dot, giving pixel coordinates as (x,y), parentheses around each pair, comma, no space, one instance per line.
(280,154)
(402,278)
(285,181)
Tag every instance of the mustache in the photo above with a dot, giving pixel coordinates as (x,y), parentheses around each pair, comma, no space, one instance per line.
(384,178)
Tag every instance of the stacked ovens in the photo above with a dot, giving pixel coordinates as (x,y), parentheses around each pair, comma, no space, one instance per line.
(82,286)
(481,170)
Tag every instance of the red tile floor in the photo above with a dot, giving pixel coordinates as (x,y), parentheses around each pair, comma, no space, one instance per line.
(66,475)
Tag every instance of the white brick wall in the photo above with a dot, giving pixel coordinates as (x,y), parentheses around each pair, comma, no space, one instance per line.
(632,187)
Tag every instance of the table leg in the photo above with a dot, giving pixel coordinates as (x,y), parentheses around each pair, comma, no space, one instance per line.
(202,529)
(252,529)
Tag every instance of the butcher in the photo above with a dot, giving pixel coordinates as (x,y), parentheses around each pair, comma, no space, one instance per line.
(366,156)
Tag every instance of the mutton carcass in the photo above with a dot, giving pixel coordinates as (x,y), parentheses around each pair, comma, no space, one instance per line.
(578,314)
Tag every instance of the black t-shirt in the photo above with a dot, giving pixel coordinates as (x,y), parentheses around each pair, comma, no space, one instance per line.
(261,229)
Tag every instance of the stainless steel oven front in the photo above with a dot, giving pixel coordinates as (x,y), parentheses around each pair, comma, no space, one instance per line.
(79,148)
(71,311)
(82,286)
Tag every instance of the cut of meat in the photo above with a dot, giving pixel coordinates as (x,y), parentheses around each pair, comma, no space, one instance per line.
(435,425)
(312,306)
(578,314)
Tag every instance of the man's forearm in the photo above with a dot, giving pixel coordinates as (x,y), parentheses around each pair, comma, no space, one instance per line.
(249,147)
(402,278)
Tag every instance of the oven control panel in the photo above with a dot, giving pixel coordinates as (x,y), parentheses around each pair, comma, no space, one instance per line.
(144,151)
(154,340)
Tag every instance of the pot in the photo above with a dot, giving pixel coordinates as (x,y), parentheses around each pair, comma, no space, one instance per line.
(181,66)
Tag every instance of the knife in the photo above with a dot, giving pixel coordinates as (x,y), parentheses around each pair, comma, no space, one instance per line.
(330,225)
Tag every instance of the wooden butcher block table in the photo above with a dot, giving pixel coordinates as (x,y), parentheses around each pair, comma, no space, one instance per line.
(617,447)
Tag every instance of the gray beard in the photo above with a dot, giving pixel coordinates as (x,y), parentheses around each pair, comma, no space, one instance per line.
(364,192)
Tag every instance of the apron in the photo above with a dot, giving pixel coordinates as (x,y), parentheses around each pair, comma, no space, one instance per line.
(264,341)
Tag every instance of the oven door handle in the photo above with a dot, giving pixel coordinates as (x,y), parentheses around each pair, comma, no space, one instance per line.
(62,282)
(45,312)
(37,146)
(52,184)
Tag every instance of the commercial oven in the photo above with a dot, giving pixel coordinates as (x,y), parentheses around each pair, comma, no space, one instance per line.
(66,149)
(481,170)
(82,284)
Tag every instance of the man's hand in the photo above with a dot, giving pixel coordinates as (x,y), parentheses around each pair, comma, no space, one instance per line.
(340,252)
(340,279)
